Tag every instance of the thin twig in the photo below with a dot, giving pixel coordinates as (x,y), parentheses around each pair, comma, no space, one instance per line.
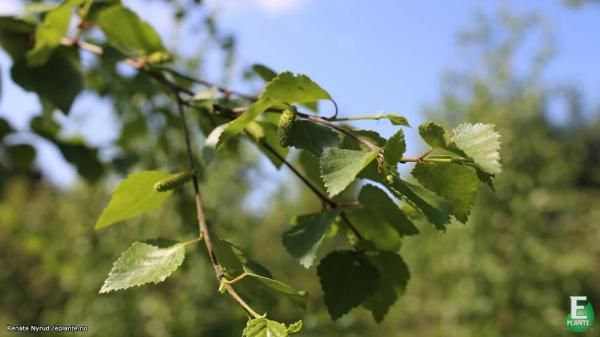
(202,226)
(226,91)
(324,198)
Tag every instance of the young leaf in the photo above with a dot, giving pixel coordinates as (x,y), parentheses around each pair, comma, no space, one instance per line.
(144,262)
(339,167)
(48,35)
(456,183)
(302,241)
(295,327)
(263,327)
(285,88)
(397,119)
(394,148)
(313,137)
(481,143)
(133,196)
(127,32)
(394,277)
(347,279)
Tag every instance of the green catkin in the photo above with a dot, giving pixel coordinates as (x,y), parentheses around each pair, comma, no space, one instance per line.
(285,126)
(174,180)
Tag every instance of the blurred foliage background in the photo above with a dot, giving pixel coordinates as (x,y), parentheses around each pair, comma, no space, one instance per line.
(508,272)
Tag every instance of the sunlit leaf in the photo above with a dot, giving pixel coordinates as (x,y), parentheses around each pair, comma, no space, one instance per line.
(144,262)
(339,167)
(133,196)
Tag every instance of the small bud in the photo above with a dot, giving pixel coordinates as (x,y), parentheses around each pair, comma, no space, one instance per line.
(285,126)
(173,181)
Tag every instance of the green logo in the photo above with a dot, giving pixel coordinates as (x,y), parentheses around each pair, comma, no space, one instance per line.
(581,317)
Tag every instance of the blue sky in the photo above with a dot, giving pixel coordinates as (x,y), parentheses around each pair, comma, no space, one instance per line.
(371,56)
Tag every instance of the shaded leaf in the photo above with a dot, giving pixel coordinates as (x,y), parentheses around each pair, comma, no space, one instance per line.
(312,137)
(379,202)
(21,155)
(392,283)
(61,66)
(302,241)
(49,33)
(266,73)
(434,208)
(126,31)
(5,128)
(339,167)
(144,262)
(133,196)
(298,297)
(456,183)
(347,279)
(394,148)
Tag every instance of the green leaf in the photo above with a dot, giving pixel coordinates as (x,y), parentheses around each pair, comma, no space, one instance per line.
(379,202)
(434,208)
(295,327)
(285,88)
(478,142)
(298,297)
(44,80)
(397,120)
(270,138)
(266,73)
(481,143)
(84,158)
(456,183)
(312,137)
(21,155)
(302,241)
(133,196)
(126,31)
(144,262)
(394,148)
(373,227)
(339,167)
(434,135)
(392,284)
(5,128)
(15,36)
(310,168)
(263,327)
(347,279)
(48,34)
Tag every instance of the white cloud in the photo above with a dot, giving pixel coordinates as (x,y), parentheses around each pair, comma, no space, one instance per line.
(10,7)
